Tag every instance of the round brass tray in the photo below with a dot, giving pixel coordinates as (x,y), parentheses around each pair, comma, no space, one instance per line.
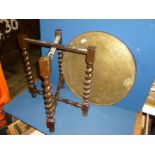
(114,68)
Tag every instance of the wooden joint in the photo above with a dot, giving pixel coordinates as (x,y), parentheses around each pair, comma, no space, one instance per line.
(45,67)
(90,57)
(85,109)
(22,42)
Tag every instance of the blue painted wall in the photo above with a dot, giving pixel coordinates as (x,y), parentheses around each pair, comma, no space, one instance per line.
(138,35)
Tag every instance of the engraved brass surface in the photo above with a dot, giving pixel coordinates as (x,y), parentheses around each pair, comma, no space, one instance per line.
(114,68)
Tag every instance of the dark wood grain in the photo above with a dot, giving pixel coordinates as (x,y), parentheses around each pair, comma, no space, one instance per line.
(27,64)
(45,73)
(88,78)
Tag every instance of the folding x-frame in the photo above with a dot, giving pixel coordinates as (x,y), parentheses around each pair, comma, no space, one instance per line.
(45,67)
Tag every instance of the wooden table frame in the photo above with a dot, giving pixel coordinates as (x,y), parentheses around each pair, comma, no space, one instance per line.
(45,73)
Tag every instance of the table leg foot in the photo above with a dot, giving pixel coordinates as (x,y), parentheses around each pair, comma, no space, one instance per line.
(51,126)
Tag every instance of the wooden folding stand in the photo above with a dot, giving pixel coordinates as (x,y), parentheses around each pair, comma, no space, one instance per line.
(45,73)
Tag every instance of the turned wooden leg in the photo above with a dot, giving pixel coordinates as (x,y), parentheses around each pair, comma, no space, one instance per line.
(45,73)
(88,79)
(60,59)
(28,69)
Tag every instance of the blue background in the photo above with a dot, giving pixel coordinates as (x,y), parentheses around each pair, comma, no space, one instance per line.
(138,35)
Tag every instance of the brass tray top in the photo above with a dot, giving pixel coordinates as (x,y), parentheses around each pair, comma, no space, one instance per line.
(114,68)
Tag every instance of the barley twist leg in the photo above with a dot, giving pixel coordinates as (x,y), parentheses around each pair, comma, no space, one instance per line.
(28,69)
(45,73)
(60,59)
(88,79)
